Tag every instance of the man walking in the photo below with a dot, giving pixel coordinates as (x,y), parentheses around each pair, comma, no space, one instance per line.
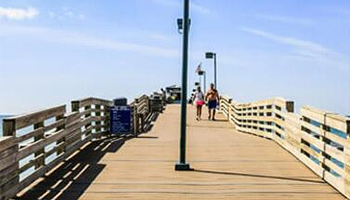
(212,97)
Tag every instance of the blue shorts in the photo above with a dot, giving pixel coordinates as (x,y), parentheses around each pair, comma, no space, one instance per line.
(212,104)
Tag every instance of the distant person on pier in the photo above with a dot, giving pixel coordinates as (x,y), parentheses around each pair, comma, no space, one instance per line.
(198,98)
(212,97)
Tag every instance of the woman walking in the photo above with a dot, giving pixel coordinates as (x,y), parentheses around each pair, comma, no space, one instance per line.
(199,100)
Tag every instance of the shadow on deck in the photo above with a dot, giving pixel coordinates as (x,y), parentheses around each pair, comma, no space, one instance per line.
(75,175)
(227,165)
(256,176)
(71,178)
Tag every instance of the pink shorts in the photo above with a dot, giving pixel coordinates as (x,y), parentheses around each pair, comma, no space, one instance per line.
(200,103)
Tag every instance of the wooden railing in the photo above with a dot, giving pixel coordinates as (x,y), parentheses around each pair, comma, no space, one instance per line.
(145,110)
(35,143)
(262,118)
(24,147)
(141,111)
(319,139)
(94,116)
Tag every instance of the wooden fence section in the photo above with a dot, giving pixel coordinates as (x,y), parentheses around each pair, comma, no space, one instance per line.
(263,118)
(37,142)
(145,110)
(29,152)
(94,117)
(141,110)
(321,140)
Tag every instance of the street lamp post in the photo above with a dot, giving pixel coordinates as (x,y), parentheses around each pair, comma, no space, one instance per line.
(182,165)
(205,81)
(212,55)
(203,73)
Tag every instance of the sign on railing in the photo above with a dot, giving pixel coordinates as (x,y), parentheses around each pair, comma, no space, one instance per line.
(120,120)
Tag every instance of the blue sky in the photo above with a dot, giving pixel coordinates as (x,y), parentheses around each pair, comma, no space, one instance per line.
(52,52)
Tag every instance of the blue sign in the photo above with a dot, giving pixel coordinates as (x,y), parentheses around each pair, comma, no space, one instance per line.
(120,120)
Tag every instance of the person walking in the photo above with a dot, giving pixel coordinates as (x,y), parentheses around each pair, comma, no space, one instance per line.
(198,98)
(212,96)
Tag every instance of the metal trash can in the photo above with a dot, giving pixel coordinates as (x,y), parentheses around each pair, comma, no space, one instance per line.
(121,101)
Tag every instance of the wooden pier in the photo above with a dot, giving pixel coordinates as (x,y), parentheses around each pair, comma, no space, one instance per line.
(260,150)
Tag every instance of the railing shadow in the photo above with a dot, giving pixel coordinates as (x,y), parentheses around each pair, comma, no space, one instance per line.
(256,176)
(74,176)
(149,122)
(147,137)
(219,120)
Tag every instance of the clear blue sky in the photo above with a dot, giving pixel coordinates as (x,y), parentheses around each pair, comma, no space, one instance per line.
(52,52)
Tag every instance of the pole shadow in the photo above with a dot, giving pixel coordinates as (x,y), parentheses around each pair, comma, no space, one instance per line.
(256,176)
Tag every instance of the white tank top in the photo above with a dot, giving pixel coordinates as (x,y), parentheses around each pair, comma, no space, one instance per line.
(199,96)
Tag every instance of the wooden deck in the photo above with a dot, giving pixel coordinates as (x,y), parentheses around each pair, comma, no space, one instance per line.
(227,165)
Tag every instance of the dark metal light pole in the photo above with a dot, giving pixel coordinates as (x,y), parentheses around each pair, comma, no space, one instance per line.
(182,165)
(211,55)
(215,72)
(200,80)
(203,73)
(205,82)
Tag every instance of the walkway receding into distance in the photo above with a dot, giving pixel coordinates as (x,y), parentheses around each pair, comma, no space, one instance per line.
(227,165)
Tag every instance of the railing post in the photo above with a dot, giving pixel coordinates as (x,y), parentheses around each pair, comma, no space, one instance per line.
(148,105)
(142,123)
(229,109)
(107,111)
(97,127)
(89,125)
(63,140)
(9,128)
(135,121)
(347,162)
(290,106)
(40,152)
(75,106)
(136,118)
(220,103)
(9,173)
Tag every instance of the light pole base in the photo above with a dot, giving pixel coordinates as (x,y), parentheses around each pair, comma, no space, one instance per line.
(182,167)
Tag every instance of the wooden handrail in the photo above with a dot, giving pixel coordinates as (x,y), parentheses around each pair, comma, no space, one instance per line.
(94,114)
(27,137)
(319,139)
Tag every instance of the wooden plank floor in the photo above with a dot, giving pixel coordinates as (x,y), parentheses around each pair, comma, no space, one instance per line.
(227,165)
